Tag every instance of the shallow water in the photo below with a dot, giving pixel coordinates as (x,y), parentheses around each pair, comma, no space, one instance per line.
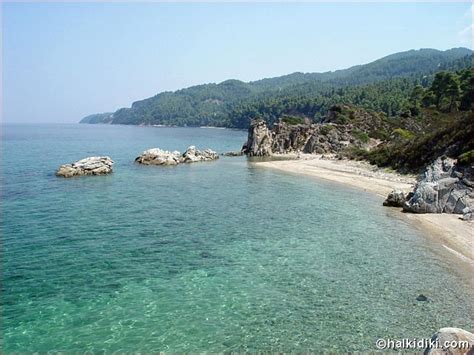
(213,256)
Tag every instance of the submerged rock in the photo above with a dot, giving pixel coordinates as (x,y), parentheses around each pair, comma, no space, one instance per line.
(422,298)
(87,166)
(233,154)
(443,188)
(157,156)
(451,335)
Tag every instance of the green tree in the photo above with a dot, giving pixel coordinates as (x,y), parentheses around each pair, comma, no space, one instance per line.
(416,97)
(466,80)
(438,87)
(453,91)
(428,98)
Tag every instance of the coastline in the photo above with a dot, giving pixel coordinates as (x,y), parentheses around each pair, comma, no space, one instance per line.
(447,229)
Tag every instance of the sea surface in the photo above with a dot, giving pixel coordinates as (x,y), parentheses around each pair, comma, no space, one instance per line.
(216,256)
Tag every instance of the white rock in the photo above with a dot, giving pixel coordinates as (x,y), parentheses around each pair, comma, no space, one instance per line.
(157,156)
(87,166)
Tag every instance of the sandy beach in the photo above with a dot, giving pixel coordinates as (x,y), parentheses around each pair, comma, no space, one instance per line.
(454,234)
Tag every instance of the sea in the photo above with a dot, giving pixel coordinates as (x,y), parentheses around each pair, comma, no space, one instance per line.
(213,256)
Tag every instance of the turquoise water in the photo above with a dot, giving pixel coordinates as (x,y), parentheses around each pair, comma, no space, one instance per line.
(218,256)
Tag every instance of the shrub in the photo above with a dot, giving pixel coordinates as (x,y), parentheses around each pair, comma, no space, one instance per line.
(341,118)
(466,158)
(355,153)
(326,129)
(404,133)
(292,120)
(381,134)
(362,136)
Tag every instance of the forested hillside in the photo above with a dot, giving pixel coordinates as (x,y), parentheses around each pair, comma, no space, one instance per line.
(438,122)
(386,85)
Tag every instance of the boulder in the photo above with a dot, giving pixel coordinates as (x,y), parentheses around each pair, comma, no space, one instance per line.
(451,335)
(395,198)
(444,187)
(466,214)
(156,156)
(192,155)
(87,166)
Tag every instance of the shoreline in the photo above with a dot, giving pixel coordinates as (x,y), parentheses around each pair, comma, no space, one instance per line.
(154,125)
(448,230)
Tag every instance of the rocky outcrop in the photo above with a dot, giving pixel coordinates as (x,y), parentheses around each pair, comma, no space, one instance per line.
(87,166)
(330,138)
(259,141)
(316,138)
(290,138)
(308,138)
(192,155)
(157,156)
(440,342)
(443,188)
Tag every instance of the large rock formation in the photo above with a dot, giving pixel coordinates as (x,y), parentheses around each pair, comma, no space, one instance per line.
(443,341)
(192,155)
(443,188)
(259,142)
(157,156)
(87,166)
(331,136)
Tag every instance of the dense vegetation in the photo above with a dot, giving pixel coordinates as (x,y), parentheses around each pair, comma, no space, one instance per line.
(386,85)
(105,117)
(439,122)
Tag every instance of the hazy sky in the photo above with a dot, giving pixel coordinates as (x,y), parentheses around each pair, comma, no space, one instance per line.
(64,61)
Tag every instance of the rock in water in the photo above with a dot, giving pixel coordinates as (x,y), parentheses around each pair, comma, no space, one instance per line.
(259,142)
(443,188)
(87,166)
(192,155)
(456,335)
(422,298)
(156,156)
(395,198)
(233,154)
